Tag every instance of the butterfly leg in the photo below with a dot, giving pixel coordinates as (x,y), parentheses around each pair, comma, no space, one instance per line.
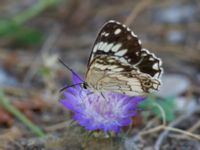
(83,97)
(89,93)
(104,96)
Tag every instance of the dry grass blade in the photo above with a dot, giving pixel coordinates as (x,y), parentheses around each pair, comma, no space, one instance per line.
(168,128)
(194,127)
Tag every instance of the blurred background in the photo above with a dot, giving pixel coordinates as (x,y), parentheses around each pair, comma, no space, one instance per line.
(35,33)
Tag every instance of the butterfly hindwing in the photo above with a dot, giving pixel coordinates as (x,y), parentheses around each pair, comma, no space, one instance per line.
(150,64)
(107,73)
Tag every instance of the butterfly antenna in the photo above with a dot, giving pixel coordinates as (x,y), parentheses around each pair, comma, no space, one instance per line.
(69,69)
(66,87)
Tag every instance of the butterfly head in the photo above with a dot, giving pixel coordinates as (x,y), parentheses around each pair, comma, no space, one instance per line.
(84,85)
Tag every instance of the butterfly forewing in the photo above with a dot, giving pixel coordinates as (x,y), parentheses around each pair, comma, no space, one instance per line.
(119,64)
(114,39)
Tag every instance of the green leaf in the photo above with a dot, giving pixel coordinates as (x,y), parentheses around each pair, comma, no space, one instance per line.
(167,104)
(7,27)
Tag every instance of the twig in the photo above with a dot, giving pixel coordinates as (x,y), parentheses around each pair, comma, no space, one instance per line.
(167,128)
(136,10)
(164,134)
(151,122)
(178,136)
(156,129)
(183,132)
(194,127)
(162,112)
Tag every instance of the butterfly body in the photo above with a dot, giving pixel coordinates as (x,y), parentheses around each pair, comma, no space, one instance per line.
(118,63)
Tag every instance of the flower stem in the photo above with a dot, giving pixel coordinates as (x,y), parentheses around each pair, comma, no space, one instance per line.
(15,112)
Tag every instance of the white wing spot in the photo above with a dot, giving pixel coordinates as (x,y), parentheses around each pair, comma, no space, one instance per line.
(122,60)
(95,47)
(91,58)
(146,51)
(128,29)
(118,69)
(117,31)
(121,52)
(103,46)
(151,59)
(124,26)
(157,75)
(144,54)
(106,34)
(139,41)
(116,47)
(133,34)
(117,22)
(100,66)
(155,66)
(103,33)
(155,86)
(111,60)
(100,45)
(111,21)
(108,47)
(112,67)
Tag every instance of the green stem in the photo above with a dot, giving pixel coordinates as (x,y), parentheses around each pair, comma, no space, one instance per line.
(15,112)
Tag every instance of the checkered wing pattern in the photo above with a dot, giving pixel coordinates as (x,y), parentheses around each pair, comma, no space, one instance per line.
(118,63)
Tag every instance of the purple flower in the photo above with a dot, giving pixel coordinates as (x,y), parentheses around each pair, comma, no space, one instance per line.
(100,111)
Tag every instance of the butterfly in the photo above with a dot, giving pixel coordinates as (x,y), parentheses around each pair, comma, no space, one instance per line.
(119,64)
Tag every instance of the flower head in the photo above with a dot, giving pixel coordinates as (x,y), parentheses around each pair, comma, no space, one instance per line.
(100,111)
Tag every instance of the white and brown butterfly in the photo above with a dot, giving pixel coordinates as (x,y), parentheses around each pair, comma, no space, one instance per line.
(118,63)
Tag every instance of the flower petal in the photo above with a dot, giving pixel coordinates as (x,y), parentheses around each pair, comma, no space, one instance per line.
(67,104)
(93,111)
(125,122)
(76,78)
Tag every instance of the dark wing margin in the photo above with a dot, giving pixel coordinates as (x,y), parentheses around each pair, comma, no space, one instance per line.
(150,64)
